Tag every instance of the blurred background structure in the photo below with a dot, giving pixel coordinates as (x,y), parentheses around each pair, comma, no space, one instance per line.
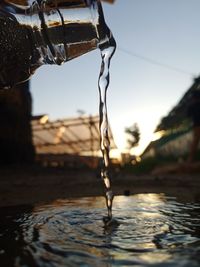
(16,145)
(174,130)
(69,142)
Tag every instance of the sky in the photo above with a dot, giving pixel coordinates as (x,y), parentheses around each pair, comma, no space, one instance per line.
(157,58)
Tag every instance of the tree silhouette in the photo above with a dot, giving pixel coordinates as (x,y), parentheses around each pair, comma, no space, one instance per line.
(133,133)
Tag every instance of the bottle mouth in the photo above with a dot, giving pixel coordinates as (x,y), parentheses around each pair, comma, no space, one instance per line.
(105,36)
(69,29)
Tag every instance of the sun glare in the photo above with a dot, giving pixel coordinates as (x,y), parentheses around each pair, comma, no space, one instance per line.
(146,125)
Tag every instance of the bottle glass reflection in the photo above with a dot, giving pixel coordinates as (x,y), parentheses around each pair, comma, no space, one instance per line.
(33,33)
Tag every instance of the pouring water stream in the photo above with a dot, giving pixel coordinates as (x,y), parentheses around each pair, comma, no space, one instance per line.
(103,83)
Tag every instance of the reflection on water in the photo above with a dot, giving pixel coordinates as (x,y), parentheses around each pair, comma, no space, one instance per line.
(154,230)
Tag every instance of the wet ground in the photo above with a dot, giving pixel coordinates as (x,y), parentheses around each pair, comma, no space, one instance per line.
(152,230)
(54,217)
(31,185)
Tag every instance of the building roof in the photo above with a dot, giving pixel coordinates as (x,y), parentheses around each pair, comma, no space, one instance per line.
(179,113)
(176,123)
(77,136)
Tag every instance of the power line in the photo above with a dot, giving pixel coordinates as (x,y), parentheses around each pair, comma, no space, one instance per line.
(154,62)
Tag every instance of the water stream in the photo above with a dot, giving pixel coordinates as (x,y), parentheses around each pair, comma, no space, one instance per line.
(103,83)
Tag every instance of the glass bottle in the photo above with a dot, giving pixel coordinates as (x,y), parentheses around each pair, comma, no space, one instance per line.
(37,32)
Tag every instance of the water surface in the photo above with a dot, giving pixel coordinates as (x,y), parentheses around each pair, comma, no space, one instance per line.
(154,230)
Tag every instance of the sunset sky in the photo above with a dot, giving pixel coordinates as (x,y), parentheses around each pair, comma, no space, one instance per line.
(158,56)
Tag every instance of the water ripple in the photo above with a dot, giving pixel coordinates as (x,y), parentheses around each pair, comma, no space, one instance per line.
(152,230)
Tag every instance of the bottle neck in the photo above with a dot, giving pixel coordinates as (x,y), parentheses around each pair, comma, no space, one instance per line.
(47,30)
(61,29)
(67,30)
(64,31)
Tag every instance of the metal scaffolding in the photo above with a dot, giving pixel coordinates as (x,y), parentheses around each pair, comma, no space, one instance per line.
(73,137)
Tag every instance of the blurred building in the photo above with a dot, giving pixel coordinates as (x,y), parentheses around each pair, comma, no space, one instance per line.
(15,128)
(73,142)
(174,130)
